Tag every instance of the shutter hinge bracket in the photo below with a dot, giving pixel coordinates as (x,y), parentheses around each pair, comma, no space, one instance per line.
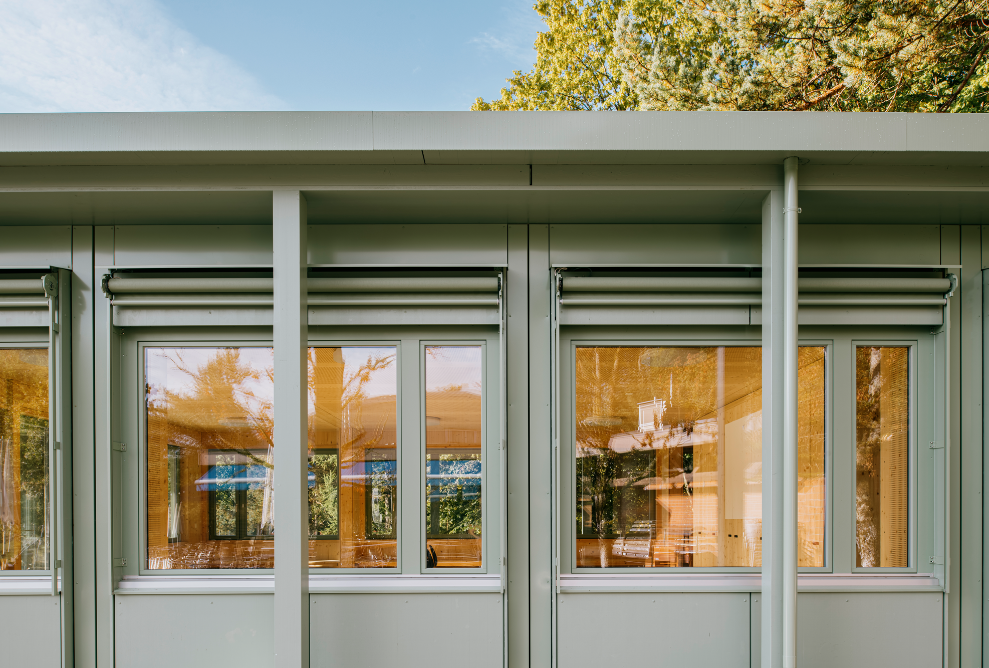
(119,447)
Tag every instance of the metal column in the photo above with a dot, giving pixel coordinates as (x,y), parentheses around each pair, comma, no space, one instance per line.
(291,434)
(771,643)
(790,211)
(779,423)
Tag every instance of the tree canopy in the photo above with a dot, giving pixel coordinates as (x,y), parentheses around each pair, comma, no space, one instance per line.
(786,55)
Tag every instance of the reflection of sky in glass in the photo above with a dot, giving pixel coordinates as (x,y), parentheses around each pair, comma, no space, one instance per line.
(380,383)
(453,366)
(164,372)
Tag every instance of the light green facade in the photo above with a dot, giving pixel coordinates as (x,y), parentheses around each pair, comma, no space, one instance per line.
(529,198)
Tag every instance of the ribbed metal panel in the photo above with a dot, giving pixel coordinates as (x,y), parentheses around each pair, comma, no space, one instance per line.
(22,286)
(378,300)
(659,284)
(414,284)
(120,286)
(684,299)
(744,284)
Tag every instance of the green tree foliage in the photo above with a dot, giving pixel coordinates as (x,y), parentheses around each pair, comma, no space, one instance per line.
(825,55)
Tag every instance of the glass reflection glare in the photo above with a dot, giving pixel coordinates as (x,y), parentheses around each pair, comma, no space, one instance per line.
(24,500)
(669,456)
(210,457)
(453,456)
(353,475)
(882,449)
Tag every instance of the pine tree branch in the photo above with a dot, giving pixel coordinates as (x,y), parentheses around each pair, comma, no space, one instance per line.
(821,98)
(975,63)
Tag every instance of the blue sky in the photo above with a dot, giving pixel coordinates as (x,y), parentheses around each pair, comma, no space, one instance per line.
(164,55)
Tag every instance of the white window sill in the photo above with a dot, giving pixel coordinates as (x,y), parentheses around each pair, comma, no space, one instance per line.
(318,584)
(27,585)
(746,582)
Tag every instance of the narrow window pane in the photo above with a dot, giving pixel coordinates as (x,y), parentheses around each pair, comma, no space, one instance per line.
(353,475)
(210,457)
(882,402)
(453,456)
(24,459)
(668,466)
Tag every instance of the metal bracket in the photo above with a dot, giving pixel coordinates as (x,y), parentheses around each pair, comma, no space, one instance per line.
(58,445)
(790,208)
(937,560)
(119,562)
(119,447)
(50,284)
(953,283)
(935,445)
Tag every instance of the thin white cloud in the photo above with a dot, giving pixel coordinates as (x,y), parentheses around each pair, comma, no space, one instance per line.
(508,47)
(113,55)
(514,41)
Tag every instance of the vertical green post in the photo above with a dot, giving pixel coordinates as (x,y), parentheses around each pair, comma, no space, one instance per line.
(771,643)
(290,337)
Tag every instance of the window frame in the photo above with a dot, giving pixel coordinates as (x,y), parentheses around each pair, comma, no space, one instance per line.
(926,513)
(488,376)
(129,414)
(133,517)
(400,361)
(572,337)
(917,421)
(32,338)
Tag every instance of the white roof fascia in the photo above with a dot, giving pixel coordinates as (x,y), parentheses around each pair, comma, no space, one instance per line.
(789,132)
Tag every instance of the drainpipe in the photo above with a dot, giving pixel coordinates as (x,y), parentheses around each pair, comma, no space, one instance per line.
(790,211)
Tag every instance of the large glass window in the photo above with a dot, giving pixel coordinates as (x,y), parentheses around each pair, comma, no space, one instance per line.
(24,491)
(210,477)
(668,459)
(353,476)
(882,453)
(454,424)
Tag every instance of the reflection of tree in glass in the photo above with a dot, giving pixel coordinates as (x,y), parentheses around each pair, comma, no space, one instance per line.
(24,459)
(323,496)
(459,513)
(868,385)
(610,383)
(220,393)
(228,401)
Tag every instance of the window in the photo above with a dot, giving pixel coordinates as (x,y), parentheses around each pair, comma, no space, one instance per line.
(210,457)
(209,471)
(454,427)
(353,474)
(882,450)
(668,456)
(24,466)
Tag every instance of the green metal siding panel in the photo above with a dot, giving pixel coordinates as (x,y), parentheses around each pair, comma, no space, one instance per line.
(951,254)
(83,453)
(517,325)
(970,447)
(29,634)
(541,528)
(406,630)
(194,631)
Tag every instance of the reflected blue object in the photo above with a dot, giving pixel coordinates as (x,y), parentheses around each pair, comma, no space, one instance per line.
(446,477)
(376,472)
(224,477)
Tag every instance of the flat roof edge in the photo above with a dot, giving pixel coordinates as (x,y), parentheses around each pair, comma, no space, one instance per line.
(370,132)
